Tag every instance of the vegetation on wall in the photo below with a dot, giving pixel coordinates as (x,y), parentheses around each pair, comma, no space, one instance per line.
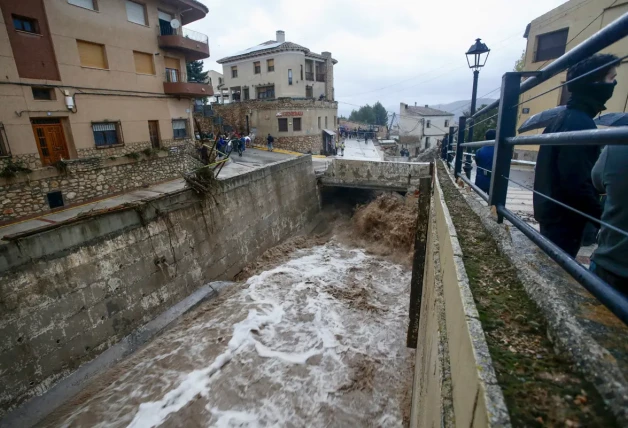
(11,169)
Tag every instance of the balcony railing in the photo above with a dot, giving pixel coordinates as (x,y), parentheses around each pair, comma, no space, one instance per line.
(309,76)
(165,29)
(178,83)
(195,45)
(320,77)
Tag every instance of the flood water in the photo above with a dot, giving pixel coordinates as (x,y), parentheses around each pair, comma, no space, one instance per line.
(317,341)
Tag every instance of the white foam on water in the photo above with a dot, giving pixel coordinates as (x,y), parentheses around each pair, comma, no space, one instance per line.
(281,351)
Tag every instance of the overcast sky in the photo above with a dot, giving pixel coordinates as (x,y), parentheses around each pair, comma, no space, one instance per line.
(390,51)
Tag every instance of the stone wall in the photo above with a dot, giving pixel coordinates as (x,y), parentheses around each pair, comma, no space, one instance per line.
(400,176)
(89,178)
(68,293)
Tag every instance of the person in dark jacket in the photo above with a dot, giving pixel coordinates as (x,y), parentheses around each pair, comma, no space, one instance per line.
(564,172)
(484,161)
(610,259)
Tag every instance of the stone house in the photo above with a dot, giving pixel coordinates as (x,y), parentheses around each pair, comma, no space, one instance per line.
(284,89)
(422,127)
(93,84)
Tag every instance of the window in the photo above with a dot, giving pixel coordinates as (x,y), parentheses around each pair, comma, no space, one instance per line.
(136,13)
(246,93)
(28,25)
(172,69)
(325,122)
(234,71)
(428,124)
(319,122)
(309,92)
(296,124)
(46,94)
(106,133)
(301,72)
(551,45)
(427,142)
(4,143)
(446,123)
(144,63)
(257,67)
(92,54)
(289,76)
(283,125)
(87,4)
(179,128)
(220,80)
(266,92)
(270,65)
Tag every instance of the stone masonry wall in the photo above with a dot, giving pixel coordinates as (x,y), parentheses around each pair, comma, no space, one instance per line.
(89,178)
(69,293)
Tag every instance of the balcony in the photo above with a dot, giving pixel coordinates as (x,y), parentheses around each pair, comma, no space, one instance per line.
(320,77)
(176,83)
(309,76)
(194,45)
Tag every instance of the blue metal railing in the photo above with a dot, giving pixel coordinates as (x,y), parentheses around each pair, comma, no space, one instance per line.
(506,140)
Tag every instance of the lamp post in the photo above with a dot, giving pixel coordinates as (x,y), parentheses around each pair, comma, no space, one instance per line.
(476,59)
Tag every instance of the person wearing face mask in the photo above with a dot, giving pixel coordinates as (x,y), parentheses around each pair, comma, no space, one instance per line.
(564,172)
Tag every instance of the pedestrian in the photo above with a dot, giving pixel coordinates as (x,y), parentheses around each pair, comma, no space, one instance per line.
(270,140)
(342,147)
(205,154)
(247,141)
(484,163)
(609,177)
(564,172)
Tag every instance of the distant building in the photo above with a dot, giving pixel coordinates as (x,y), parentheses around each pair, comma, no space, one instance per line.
(422,127)
(217,82)
(288,91)
(556,32)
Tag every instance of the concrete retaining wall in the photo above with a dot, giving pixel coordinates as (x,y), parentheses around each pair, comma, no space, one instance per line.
(400,176)
(70,292)
(450,335)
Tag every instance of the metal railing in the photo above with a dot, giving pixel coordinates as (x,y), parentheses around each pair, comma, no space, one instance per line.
(309,75)
(172,75)
(506,140)
(320,77)
(165,29)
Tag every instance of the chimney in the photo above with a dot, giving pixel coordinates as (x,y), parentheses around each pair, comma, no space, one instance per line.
(281,36)
(415,103)
(329,76)
(426,106)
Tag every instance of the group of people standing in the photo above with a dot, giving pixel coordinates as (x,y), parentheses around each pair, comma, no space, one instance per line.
(587,178)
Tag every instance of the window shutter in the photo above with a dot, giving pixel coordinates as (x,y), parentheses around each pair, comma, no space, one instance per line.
(92,54)
(164,16)
(135,12)
(101,127)
(172,63)
(143,63)
(87,4)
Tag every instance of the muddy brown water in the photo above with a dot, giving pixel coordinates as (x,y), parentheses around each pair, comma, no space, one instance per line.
(316,340)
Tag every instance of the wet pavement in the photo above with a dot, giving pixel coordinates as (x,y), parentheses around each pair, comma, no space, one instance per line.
(317,341)
(357,149)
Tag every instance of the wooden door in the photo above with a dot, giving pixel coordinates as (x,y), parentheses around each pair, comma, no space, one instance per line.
(50,140)
(153,131)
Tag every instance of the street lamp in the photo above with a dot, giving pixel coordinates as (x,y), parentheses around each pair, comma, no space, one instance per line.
(476,58)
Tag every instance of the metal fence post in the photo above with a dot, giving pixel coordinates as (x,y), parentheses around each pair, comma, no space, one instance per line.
(459,149)
(506,127)
(450,143)
(467,166)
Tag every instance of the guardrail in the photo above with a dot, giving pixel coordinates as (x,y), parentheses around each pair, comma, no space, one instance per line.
(506,140)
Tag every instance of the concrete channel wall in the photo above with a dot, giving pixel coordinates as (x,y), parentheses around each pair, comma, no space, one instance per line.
(400,176)
(69,292)
(454,380)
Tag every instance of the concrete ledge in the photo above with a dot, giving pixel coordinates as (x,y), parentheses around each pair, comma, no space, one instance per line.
(41,406)
(477,399)
(578,324)
(381,174)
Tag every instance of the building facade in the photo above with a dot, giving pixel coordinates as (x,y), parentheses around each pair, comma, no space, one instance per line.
(217,82)
(551,35)
(93,79)
(422,127)
(285,90)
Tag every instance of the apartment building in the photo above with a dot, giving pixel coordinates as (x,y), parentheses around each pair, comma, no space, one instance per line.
(551,35)
(85,79)
(288,91)
(422,127)
(217,82)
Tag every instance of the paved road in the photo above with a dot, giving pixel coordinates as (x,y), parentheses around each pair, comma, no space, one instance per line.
(356,149)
